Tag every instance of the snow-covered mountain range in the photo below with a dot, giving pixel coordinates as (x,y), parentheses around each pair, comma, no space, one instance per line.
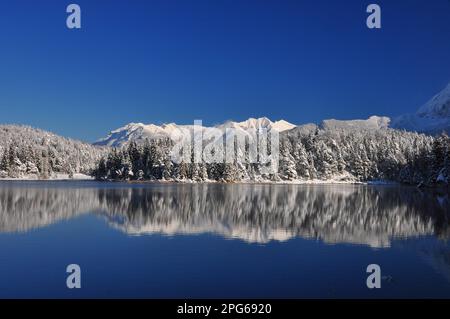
(139,132)
(432,118)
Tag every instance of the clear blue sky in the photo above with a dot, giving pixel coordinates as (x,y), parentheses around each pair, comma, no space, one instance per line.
(164,60)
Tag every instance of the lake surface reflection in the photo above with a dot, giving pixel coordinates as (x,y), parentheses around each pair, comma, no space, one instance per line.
(214,240)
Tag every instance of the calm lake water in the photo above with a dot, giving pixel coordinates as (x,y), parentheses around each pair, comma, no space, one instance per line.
(234,241)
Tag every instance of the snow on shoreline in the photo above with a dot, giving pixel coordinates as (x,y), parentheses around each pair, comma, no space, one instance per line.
(56,177)
(82,177)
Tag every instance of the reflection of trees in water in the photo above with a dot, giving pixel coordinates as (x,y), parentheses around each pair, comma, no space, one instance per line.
(22,208)
(255,213)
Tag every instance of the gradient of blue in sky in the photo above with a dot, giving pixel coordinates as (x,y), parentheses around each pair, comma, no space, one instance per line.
(176,61)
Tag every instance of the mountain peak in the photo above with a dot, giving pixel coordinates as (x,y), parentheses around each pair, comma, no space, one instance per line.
(282,125)
(432,118)
(262,122)
(129,126)
(437,106)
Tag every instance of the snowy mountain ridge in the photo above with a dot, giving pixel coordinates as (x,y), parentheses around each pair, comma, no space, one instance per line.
(431,118)
(438,106)
(372,123)
(138,132)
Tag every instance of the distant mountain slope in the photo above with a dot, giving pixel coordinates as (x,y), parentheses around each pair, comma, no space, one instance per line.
(28,152)
(372,123)
(432,118)
(139,132)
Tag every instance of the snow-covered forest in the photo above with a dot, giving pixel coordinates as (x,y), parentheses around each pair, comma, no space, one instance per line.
(26,152)
(307,154)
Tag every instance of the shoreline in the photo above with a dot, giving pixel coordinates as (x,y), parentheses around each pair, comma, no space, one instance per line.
(88,178)
(186,182)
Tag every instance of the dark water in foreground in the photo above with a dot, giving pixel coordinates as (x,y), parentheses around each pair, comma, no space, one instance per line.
(236,241)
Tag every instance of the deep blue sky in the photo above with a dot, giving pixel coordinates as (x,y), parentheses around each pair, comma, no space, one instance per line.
(176,61)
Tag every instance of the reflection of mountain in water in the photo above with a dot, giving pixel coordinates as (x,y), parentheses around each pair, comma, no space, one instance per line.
(255,213)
